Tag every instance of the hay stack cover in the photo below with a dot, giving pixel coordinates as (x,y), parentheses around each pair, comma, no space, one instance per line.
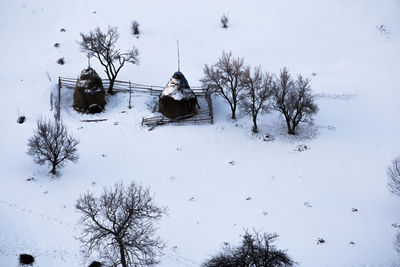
(89,94)
(177,99)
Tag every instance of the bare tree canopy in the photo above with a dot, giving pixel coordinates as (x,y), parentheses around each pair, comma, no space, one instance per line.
(224,79)
(102,46)
(254,251)
(293,99)
(52,144)
(257,90)
(119,225)
(393,173)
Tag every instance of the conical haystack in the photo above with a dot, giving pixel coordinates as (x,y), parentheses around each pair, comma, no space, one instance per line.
(89,94)
(177,99)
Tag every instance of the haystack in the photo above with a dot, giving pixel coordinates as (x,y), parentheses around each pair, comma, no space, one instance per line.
(177,99)
(89,94)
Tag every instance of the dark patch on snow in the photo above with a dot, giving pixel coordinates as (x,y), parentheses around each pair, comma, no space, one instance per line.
(95,264)
(26,259)
(301,148)
(267,137)
(21,119)
(61,61)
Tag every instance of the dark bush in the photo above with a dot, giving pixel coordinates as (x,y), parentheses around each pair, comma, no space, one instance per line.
(254,251)
(61,61)
(21,119)
(135,28)
(26,259)
(57,45)
(62,30)
(95,264)
(224,21)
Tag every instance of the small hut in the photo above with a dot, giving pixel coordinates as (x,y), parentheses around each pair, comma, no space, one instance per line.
(89,94)
(177,99)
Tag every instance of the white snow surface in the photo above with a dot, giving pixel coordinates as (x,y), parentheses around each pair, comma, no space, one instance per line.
(205,174)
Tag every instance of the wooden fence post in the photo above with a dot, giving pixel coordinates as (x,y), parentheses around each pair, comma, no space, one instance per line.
(58,114)
(210,108)
(130,95)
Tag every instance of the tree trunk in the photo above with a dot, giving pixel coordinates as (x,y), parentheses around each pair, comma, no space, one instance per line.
(233,108)
(53,169)
(255,128)
(110,87)
(290,127)
(122,253)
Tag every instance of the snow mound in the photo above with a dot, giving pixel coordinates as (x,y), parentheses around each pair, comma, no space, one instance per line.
(178,88)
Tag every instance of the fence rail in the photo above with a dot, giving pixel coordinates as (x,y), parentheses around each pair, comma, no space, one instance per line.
(126,87)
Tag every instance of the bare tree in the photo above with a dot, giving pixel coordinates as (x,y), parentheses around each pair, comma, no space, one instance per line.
(224,78)
(257,90)
(224,21)
(52,144)
(393,173)
(255,251)
(119,225)
(293,99)
(102,46)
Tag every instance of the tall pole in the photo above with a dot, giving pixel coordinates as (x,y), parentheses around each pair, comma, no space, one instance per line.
(179,63)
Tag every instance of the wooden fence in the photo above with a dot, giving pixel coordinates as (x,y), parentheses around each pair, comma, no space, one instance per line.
(205,116)
(126,87)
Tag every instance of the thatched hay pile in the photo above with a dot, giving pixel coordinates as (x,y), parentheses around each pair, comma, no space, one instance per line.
(89,94)
(177,99)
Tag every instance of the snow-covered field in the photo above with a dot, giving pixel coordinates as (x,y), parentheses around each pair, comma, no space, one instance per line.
(271,187)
